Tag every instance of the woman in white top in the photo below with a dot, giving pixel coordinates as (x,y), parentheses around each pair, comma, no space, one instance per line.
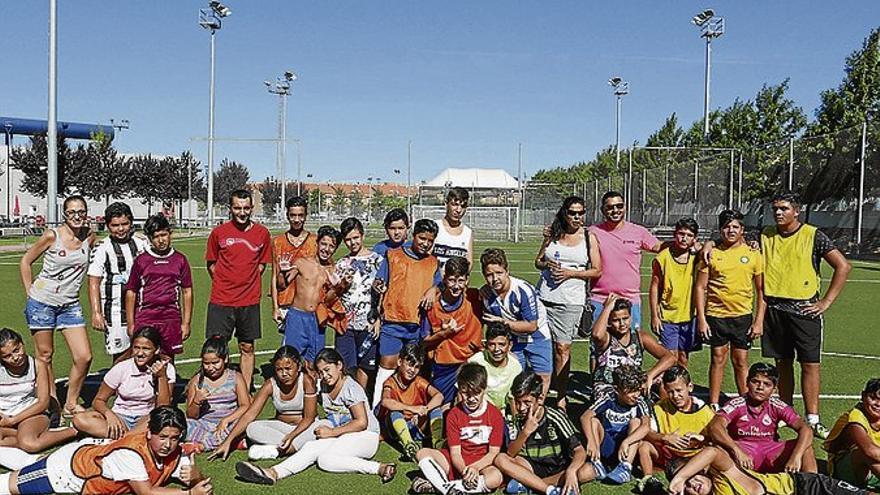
(53,297)
(454,237)
(568,260)
(24,399)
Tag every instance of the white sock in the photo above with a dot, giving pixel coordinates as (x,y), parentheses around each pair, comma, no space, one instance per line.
(14,458)
(812,419)
(480,488)
(550,490)
(435,474)
(382,374)
(4,483)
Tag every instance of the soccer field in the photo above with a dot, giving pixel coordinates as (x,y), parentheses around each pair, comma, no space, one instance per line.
(851,356)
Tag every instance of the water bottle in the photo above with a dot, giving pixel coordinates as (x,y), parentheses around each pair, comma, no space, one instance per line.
(366,346)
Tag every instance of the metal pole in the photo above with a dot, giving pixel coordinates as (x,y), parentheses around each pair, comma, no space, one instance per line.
(617,137)
(706,93)
(859,213)
(408,177)
(791,164)
(211,138)
(730,184)
(52,131)
(739,187)
(8,134)
(299,166)
(644,192)
(596,197)
(282,153)
(696,186)
(666,195)
(629,181)
(189,194)
(522,190)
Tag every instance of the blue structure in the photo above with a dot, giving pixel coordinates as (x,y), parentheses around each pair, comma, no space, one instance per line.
(70,130)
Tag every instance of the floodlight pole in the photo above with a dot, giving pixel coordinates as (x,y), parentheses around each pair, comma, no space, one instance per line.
(522,190)
(708,83)
(859,212)
(52,130)
(711,26)
(282,88)
(617,134)
(210,19)
(409,177)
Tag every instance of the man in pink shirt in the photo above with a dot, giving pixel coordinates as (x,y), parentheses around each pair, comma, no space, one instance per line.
(748,428)
(622,243)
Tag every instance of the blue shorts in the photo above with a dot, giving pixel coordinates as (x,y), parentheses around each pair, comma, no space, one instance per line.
(129,420)
(33,479)
(635,317)
(394,336)
(357,348)
(301,332)
(41,316)
(443,379)
(680,336)
(536,356)
(608,449)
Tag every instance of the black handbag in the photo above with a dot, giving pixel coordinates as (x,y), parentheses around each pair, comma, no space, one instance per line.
(585,330)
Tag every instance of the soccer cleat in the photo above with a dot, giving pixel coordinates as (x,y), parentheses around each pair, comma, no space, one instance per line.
(600,470)
(620,474)
(515,487)
(252,474)
(820,431)
(421,486)
(555,490)
(262,452)
(647,483)
(410,450)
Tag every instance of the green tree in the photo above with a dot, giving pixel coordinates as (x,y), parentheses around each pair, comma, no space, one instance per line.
(231,176)
(270,190)
(32,161)
(338,201)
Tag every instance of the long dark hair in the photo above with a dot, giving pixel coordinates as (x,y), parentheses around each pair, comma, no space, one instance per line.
(560,221)
(215,345)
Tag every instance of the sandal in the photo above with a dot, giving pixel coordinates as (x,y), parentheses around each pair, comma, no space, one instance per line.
(252,473)
(387,472)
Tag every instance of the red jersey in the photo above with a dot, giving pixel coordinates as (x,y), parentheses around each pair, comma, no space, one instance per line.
(284,253)
(475,433)
(464,343)
(416,394)
(237,255)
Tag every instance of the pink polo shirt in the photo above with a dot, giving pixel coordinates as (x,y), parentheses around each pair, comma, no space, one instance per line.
(135,389)
(621,252)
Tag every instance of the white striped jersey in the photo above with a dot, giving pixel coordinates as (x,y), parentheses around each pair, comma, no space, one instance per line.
(112,261)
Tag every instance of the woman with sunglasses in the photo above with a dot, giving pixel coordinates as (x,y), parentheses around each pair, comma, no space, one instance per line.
(568,259)
(53,296)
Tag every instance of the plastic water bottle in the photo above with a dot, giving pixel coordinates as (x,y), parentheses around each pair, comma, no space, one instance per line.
(366,346)
(556,256)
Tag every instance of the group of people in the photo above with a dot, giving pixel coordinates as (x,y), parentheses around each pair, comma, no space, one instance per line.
(471,383)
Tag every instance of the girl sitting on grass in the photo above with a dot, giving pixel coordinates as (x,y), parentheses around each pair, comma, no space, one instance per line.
(215,398)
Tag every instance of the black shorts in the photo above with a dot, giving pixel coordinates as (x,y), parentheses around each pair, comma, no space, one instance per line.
(819,484)
(786,333)
(545,469)
(226,321)
(733,331)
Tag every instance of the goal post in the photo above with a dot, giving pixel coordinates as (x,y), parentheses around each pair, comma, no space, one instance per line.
(496,223)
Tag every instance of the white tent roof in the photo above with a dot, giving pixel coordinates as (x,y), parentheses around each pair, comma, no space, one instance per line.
(474,178)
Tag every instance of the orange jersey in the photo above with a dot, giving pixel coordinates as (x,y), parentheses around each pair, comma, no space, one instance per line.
(86,464)
(416,394)
(464,343)
(284,254)
(408,279)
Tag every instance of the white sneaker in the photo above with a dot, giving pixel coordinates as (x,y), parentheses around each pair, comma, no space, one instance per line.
(260,452)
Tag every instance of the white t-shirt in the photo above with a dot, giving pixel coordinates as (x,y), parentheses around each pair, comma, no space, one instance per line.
(447,245)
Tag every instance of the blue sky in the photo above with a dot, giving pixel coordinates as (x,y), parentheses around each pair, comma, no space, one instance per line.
(465,81)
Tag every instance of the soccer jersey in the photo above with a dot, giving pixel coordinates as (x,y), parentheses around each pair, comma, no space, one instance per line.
(791,267)
(520,304)
(476,432)
(668,419)
(158,281)
(615,417)
(407,277)
(356,300)
(855,416)
(111,262)
(774,484)
(500,379)
(467,340)
(730,291)
(237,256)
(552,444)
(447,245)
(623,245)
(284,253)
(415,394)
(382,247)
(677,282)
(753,427)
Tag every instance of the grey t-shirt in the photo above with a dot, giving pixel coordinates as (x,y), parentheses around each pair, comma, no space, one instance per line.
(339,409)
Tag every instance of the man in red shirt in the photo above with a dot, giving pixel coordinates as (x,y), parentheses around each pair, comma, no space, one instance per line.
(237,254)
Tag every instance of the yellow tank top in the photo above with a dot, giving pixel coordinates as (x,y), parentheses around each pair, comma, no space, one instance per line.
(671,420)
(678,285)
(774,484)
(857,416)
(788,263)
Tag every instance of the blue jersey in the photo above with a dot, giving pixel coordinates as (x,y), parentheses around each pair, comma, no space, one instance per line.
(615,417)
(382,247)
(520,304)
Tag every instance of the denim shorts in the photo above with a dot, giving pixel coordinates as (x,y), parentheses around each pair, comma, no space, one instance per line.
(41,316)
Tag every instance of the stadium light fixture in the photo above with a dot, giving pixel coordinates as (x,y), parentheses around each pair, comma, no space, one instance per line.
(211,19)
(282,88)
(711,26)
(621,88)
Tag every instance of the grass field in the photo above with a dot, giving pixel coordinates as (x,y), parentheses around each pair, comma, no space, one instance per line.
(852,355)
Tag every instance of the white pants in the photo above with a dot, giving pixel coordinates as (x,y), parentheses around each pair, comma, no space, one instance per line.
(348,453)
(273,431)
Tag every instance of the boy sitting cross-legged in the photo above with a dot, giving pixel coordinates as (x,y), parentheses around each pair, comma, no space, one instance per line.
(545,452)
(474,435)
(615,425)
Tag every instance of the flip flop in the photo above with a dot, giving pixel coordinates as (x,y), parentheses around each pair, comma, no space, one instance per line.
(252,473)
(387,473)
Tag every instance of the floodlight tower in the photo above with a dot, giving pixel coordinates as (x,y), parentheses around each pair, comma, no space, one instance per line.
(711,26)
(282,88)
(211,19)
(621,88)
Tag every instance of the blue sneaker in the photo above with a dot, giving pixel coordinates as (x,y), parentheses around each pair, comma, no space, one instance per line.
(555,491)
(515,487)
(601,472)
(621,474)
